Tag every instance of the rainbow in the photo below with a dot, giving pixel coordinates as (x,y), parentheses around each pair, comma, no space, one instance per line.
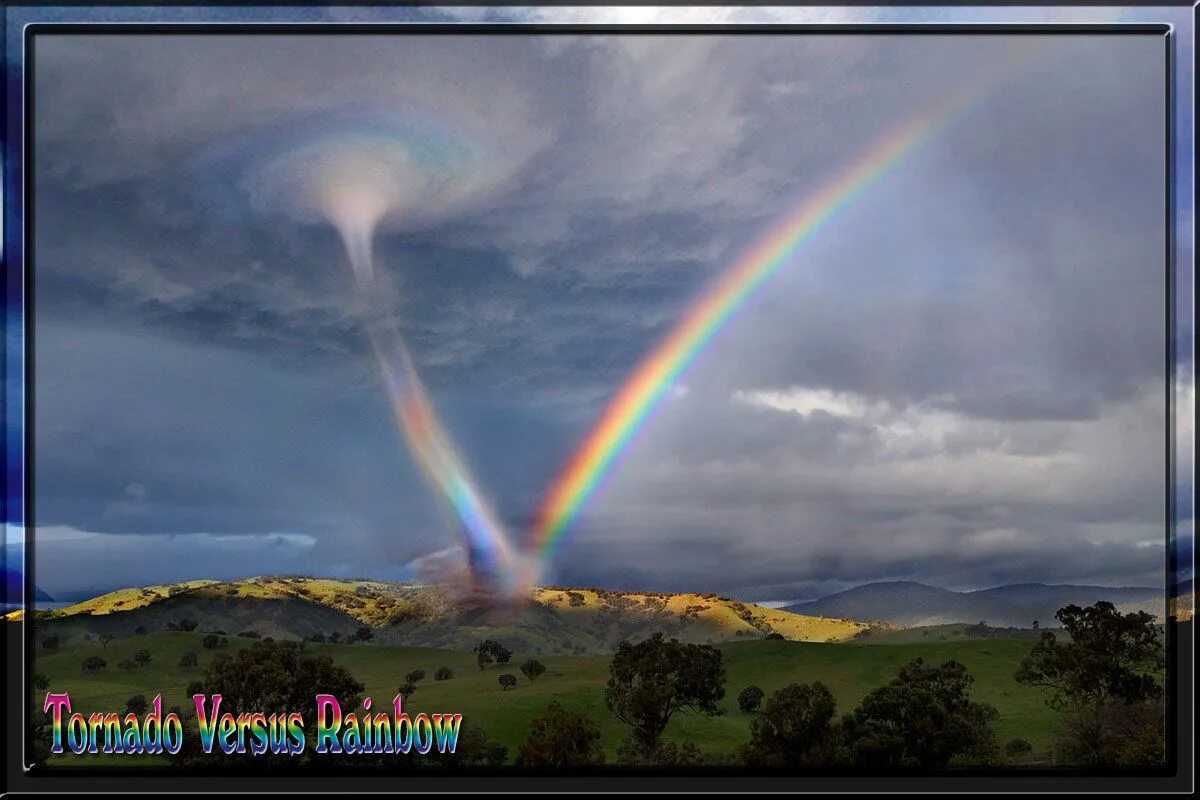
(629,409)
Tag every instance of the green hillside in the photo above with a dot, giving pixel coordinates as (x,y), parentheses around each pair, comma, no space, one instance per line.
(850,670)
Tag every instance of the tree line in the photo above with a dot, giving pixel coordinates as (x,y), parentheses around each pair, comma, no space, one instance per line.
(1101,673)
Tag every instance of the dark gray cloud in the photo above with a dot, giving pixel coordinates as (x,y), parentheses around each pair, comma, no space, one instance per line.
(981,333)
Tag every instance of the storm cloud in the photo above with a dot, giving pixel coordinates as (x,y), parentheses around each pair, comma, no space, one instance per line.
(959,380)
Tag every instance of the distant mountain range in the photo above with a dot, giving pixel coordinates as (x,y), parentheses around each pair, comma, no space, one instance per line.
(1018,605)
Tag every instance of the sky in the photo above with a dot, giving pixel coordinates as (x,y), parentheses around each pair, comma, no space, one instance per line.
(959,380)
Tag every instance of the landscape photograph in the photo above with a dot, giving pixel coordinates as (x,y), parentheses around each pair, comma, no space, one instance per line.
(640,402)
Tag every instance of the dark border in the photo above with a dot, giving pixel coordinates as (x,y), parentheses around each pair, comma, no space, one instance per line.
(1170,777)
(423,4)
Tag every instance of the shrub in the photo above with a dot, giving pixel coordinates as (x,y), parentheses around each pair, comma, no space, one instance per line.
(415,676)
(443,674)
(127,665)
(94,664)
(142,657)
(1017,748)
(750,698)
(507,682)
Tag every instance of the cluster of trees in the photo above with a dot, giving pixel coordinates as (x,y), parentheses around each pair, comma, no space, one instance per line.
(275,677)
(140,659)
(1104,680)
(923,718)
(363,633)
(490,652)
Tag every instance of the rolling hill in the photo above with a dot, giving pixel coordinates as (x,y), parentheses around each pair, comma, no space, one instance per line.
(1018,605)
(557,620)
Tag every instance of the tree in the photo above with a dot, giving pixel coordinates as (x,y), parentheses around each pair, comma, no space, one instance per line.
(507,681)
(1110,656)
(561,738)
(406,690)
(127,665)
(489,652)
(51,641)
(364,634)
(443,674)
(1104,680)
(186,624)
(795,727)
(189,659)
(142,657)
(750,698)
(104,638)
(319,638)
(269,677)
(649,682)
(923,718)
(136,705)
(415,676)
(210,641)
(532,668)
(41,682)
(94,664)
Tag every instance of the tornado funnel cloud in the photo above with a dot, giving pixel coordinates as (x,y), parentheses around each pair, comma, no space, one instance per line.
(360,175)
(355,211)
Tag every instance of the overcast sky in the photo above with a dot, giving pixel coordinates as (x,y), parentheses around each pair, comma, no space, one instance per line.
(959,380)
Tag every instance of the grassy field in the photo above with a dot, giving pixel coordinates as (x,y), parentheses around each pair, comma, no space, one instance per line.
(849,669)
